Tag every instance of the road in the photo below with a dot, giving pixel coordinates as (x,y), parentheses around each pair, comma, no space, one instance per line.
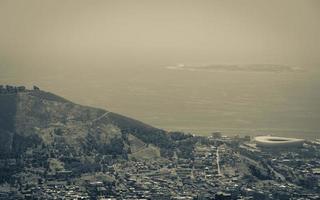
(218,161)
(100,117)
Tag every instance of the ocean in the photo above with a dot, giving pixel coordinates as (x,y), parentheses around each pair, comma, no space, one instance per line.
(244,102)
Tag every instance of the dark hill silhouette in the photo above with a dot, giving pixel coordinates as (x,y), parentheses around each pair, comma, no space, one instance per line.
(32,118)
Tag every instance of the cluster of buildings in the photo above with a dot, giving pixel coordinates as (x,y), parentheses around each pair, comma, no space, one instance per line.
(220,168)
(292,164)
(9,89)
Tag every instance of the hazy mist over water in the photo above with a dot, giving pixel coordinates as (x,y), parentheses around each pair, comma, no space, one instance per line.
(115,55)
(285,103)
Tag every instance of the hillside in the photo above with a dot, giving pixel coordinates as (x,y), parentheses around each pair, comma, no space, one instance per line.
(34,119)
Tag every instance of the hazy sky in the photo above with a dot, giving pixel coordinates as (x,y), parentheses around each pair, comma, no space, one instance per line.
(82,50)
(104,33)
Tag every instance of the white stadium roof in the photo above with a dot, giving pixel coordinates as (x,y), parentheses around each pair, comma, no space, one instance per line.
(272,141)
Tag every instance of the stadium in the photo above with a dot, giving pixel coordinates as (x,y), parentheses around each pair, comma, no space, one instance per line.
(278,142)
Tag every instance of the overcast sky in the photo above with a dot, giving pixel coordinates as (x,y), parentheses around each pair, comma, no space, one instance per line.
(104,33)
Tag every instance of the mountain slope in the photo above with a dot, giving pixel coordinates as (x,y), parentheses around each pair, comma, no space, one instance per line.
(36,118)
